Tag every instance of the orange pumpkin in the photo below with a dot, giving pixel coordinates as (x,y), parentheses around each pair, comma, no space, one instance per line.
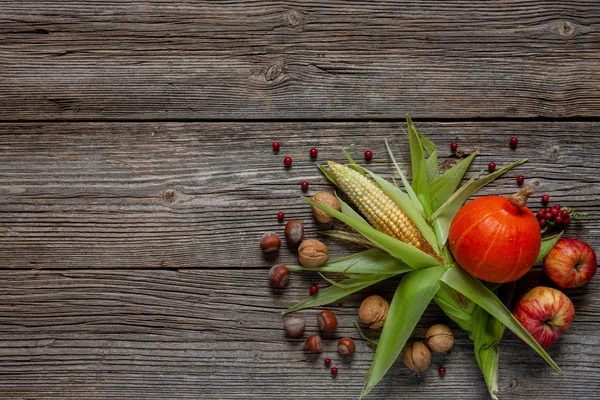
(496,239)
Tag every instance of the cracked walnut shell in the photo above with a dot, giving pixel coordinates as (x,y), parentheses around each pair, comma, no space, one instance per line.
(373,311)
(312,253)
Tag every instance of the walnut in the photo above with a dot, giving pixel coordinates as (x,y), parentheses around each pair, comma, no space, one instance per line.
(373,311)
(312,253)
(329,200)
(416,356)
(439,338)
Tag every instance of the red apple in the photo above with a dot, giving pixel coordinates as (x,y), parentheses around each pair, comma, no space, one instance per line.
(570,263)
(546,313)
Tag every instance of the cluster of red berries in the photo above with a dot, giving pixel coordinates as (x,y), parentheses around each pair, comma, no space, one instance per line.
(334,370)
(555,214)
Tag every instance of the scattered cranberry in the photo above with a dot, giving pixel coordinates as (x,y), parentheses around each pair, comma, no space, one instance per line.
(566,221)
(555,211)
(513,142)
(368,155)
(334,372)
(442,371)
(314,152)
(564,214)
(314,289)
(549,216)
(327,362)
(275,146)
(542,222)
(545,199)
(280,215)
(520,180)
(304,185)
(453,146)
(558,219)
(287,161)
(492,166)
(540,214)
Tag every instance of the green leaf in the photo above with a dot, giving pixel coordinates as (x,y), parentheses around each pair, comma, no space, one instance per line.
(486,335)
(456,306)
(413,295)
(445,185)
(327,173)
(347,236)
(349,211)
(332,293)
(412,256)
(444,215)
(407,186)
(547,244)
(428,144)
(349,284)
(405,204)
(419,170)
(352,163)
(472,288)
(432,167)
(372,261)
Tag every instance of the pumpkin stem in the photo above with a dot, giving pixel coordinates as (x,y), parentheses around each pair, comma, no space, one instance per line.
(520,199)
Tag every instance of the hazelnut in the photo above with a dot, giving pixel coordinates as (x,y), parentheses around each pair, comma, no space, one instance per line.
(439,338)
(294,231)
(294,325)
(270,242)
(314,344)
(312,253)
(373,311)
(329,200)
(416,356)
(279,275)
(327,321)
(346,346)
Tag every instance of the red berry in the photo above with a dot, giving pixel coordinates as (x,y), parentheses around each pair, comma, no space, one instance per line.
(558,219)
(334,372)
(545,199)
(540,214)
(275,146)
(313,153)
(513,142)
(549,216)
(564,214)
(547,209)
(556,206)
(280,215)
(542,222)
(327,362)
(442,371)
(304,185)
(314,289)
(492,166)
(555,211)
(287,161)
(566,221)
(368,155)
(520,180)
(453,146)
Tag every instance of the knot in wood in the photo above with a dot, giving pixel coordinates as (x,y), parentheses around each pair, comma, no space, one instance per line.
(294,18)
(566,29)
(170,195)
(273,72)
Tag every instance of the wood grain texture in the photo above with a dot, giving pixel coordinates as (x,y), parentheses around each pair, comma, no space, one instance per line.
(217,334)
(184,195)
(305,60)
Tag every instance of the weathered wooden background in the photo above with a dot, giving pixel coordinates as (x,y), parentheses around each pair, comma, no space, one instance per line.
(136,178)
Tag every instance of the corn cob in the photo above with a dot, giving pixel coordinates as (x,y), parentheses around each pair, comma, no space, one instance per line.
(378,208)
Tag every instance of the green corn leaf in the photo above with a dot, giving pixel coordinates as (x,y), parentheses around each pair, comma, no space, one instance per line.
(413,295)
(445,185)
(348,237)
(412,256)
(352,163)
(431,164)
(332,293)
(547,244)
(411,193)
(486,335)
(444,215)
(327,174)
(349,211)
(372,261)
(419,170)
(456,306)
(405,204)
(472,288)
(349,284)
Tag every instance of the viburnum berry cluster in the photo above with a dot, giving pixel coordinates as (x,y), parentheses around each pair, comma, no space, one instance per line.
(550,217)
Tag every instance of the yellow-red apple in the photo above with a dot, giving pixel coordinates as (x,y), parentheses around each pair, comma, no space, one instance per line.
(570,263)
(546,313)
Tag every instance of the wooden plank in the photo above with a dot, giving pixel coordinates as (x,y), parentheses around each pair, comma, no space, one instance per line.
(217,334)
(311,59)
(183,195)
